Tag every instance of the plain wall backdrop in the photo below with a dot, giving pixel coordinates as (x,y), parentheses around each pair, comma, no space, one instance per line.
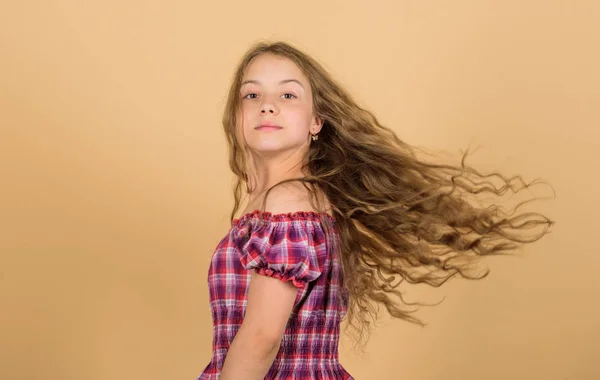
(115,186)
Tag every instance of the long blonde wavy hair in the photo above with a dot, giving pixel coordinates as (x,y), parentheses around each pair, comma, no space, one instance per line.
(399,217)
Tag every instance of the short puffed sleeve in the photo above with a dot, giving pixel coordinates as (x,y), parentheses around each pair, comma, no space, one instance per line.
(290,247)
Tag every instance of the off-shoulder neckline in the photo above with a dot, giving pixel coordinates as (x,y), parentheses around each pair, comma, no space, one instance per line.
(281,217)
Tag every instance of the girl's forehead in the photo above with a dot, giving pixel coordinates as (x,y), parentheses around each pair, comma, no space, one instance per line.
(270,66)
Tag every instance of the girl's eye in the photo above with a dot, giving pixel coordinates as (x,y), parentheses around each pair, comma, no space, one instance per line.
(253,95)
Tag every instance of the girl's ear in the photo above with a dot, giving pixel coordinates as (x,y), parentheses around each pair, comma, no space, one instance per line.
(317,124)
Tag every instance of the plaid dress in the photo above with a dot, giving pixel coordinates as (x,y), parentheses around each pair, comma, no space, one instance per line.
(290,247)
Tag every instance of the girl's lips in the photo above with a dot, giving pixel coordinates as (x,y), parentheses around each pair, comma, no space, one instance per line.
(265,129)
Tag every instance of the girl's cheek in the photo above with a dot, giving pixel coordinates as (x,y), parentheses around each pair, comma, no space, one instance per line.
(246,111)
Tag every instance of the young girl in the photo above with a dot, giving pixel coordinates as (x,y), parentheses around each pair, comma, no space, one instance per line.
(339,213)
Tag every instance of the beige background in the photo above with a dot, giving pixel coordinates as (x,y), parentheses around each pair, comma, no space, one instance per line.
(115,186)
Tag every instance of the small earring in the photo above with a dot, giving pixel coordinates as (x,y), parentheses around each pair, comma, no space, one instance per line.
(315,137)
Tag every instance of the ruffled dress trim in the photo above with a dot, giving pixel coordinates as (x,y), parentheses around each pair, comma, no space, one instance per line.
(281,217)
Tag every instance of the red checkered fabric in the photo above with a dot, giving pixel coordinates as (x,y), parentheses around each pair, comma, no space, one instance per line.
(292,247)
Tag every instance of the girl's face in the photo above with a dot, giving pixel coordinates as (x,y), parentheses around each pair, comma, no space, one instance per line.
(277,111)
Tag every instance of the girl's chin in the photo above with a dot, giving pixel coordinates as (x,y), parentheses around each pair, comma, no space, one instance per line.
(270,147)
(266,148)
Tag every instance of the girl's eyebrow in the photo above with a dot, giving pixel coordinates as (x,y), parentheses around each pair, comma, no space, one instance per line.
(282,82)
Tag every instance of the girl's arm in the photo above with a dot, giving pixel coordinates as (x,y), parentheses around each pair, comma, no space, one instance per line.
(253,350)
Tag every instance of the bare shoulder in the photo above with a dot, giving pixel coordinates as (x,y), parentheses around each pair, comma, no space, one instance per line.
(293,197)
